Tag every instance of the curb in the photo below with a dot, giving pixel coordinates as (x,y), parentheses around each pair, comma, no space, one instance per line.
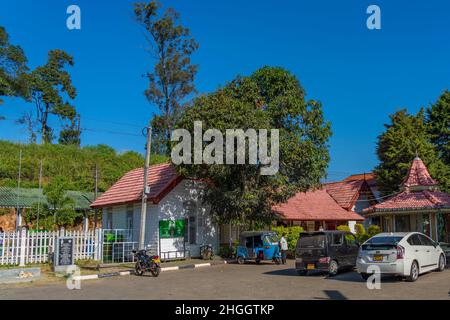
(127,273)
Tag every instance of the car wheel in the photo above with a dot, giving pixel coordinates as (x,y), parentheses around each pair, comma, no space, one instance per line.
(333,268)
(414,273)
(302,272)
(365,276)
(441,263)
(240,260)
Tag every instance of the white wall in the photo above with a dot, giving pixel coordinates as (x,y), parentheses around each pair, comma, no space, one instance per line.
(169,208)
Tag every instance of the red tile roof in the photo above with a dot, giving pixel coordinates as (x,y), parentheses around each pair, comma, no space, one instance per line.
(345,193)
(161,178)
(360,176)
(418,175)
(413,200)
(314,205)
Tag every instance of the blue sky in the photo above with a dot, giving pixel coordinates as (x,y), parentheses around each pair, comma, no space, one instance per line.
(360,76)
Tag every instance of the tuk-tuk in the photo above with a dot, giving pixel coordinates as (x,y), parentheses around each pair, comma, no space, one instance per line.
(258,246)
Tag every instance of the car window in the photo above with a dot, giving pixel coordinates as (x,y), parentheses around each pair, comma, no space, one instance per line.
(414,240)
(257,241)
(337,239)
(311,241)
(350,240)
(249,242)
(425,240)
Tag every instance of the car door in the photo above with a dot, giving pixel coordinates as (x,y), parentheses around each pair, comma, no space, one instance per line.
(339,249)
(417,250)
(430,252)
(352,249)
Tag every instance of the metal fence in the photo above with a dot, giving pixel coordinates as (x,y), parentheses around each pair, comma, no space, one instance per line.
(118,245)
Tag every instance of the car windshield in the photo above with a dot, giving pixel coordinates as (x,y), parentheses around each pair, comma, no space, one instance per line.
(382,243)
(311,241)
(271,238)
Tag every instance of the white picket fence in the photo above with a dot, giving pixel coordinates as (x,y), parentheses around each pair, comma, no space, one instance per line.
(26,247)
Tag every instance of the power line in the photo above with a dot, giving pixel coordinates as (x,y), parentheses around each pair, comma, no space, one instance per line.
(114,122)
(112,132)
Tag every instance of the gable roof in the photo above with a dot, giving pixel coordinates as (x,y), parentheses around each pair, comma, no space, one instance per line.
(409,201)
(314,205)
(418,175)
(27,197)
(345,193)
(161,179)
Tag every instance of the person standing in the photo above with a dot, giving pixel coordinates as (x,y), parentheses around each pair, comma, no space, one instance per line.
(284,248)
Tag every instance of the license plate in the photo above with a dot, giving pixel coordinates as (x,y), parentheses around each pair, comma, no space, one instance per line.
(378,257)
(310,266)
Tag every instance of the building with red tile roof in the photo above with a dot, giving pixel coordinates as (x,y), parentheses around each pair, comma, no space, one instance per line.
(419,206)
(177,220)
(315,206)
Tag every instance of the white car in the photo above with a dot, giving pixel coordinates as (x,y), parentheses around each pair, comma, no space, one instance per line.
(405,254)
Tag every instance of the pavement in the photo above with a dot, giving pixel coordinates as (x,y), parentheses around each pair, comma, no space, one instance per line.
(232,281)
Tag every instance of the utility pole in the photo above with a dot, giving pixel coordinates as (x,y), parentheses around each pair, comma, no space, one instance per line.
(39,199)
(146,190)
(19,214)
(95,195)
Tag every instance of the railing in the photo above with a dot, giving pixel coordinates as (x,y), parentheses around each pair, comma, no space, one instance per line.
(118,245)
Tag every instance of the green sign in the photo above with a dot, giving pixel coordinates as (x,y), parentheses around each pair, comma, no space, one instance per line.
(171,228)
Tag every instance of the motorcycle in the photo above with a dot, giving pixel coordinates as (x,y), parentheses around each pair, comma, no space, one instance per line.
(146,263)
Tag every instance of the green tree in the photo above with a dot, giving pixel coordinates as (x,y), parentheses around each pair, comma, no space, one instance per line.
(51,90)
(59,210)
(271,98)
(405,137)
(172,80)
(438,120)
(13,67)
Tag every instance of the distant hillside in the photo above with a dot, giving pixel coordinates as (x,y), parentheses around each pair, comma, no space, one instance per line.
(76,164)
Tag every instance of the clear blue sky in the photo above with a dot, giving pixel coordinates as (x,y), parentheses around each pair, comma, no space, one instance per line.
(360,76)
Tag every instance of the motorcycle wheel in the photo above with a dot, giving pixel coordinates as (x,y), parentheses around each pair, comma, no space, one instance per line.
(138,270)
(156,271)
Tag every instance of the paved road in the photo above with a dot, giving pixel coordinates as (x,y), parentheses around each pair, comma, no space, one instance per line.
(232,281)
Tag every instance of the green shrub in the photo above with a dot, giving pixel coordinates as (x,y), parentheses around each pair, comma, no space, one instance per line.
(372,230)
(291,235)
(343,228)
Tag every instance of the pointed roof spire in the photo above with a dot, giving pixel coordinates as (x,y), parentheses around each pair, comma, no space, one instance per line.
(418,175)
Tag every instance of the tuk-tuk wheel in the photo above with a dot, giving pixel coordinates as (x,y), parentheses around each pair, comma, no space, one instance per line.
(258,261)
(277,261)
(240,260)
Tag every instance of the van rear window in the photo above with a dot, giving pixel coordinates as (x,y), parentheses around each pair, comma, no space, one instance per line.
(311,241)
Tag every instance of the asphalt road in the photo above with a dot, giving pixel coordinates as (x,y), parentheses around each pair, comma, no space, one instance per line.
(250,281)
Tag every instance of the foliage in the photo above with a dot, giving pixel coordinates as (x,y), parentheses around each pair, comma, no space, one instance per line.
(50,87)
(271,98)
(172,79)
(226,251)
(360,232)
(291,234)
(373,230)
(76,165)
(405,137)
(59,211)
(343,227)
(438,121)
(13,67)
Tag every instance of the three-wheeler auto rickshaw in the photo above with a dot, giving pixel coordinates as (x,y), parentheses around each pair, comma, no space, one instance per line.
(258,246)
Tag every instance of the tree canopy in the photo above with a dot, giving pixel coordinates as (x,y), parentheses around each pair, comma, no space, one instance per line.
(405,137)
(13,66)
(438,121)
(270,98)
(172,79)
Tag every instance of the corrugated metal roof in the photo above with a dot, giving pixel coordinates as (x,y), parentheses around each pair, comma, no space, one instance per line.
(25,198)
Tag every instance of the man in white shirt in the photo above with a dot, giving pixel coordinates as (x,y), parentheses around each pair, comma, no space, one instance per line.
(284,248)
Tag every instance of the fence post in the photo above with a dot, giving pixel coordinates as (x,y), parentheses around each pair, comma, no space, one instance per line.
(23,246)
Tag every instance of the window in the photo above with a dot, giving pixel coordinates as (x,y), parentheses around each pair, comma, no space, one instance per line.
(337,239)
(190,231)
(350,240)
(425,240)
(109,222)
(129,217)
(414,240)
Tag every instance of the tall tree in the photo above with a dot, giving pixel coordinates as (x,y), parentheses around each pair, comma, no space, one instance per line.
(172,79)
(13,67)
(51,90)
(271,98)
(405,137)
(438,120)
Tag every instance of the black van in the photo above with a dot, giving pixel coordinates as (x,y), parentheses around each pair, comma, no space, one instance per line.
(329,251)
